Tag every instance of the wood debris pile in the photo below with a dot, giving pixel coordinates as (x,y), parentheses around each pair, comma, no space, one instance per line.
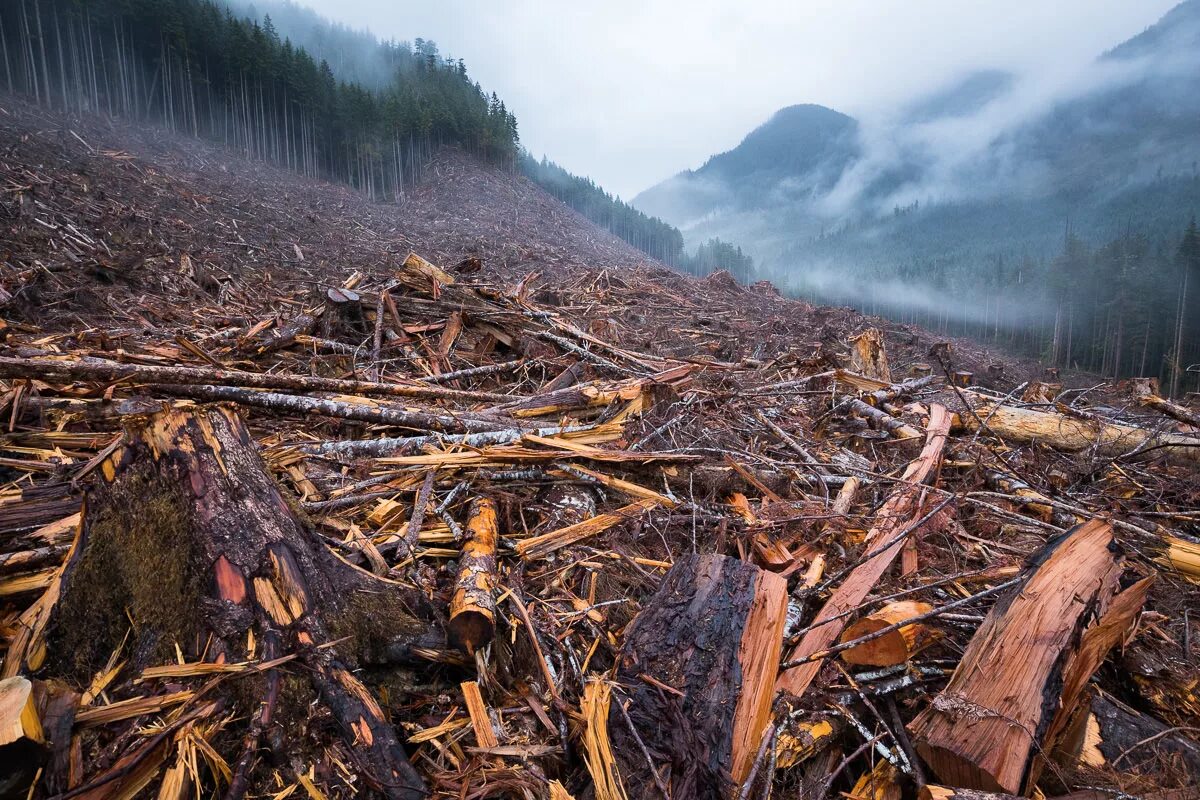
(288,513)
(424,534)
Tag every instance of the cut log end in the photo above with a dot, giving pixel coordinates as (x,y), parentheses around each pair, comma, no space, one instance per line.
(894,647)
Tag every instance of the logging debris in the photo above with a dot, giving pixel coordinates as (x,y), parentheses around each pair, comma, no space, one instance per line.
(418,531)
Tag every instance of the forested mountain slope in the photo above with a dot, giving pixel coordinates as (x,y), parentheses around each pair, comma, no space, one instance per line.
(1050,220)
(196,67)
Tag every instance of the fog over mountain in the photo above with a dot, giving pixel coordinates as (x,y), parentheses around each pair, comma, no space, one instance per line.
(999,161)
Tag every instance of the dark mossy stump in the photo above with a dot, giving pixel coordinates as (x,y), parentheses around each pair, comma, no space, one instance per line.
(189,534)
(697,672)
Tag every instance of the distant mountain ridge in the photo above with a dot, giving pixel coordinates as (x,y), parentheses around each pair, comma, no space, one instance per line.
(979,156)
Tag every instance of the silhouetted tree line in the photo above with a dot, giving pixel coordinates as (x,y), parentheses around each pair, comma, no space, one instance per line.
(649,234)
(1126,307)
(195,67)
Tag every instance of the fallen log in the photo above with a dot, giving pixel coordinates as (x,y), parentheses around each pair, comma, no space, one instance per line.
(1074,435)
(99,370)
(896,427)
(1172,410)
(986,728)
(892,648)
(934,792)
(884,542)
(186,517)
(473,605)
(699,664)
(1110,734)
(336,409)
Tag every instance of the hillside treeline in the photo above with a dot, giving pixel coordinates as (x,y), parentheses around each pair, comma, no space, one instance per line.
(649,234)
(1129,306)
(196,67)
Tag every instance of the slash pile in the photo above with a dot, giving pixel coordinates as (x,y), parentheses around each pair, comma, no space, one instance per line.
(424,535)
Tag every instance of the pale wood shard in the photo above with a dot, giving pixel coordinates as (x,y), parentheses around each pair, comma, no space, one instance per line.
(985,728)
(881,783)
(1181,556)
(547,543)
(19,720)
(596,709)
(868,355)
(473,604)
(884,543)
(712,635)
(892,648)
(477,709)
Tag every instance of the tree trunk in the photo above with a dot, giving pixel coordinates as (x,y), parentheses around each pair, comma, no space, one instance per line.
(1110,734)
(699,664)
(473,605)
(869,357)
(1073,434)
(189,537)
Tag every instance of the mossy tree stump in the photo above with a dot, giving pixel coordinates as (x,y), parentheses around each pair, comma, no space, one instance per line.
(189,534)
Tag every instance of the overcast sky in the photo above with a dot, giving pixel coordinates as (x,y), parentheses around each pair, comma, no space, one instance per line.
(632,91)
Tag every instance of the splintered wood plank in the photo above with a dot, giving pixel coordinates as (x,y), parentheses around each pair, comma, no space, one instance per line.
(898,512)
(547,543)
(482,724)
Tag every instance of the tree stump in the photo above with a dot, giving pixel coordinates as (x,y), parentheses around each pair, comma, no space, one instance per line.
(868,356)
(699,665)
(189,535)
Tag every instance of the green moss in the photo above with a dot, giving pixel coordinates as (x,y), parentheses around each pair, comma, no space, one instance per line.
(139,567)
(370,620)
